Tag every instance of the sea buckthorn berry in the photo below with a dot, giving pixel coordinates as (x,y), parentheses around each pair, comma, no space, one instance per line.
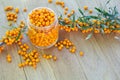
(23,64)
(59,48)
(37,60)
(8,8)
(36,19)
(17,10)
(24,10)
(1,48)
(20,65)
(50,1)
(85,7)
(54,58)
(94,21)
(81,53)
(19,43)
(68,44)
(66,8)
(72,50)
(67,47)
(90,11)
(63,5)
(58,2)
(72,12)
(44,55)
(65,12)
(47,57)
(30,63)
(55,45)
(8,56)
(11,16)
(34,66)
(24,49)
(68,15)
(22,24)
(50,56)
(9,59)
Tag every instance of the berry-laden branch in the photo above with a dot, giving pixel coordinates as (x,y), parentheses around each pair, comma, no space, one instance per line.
(104,22)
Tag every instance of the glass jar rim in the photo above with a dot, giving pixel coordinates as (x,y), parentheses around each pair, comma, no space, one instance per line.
(45,27)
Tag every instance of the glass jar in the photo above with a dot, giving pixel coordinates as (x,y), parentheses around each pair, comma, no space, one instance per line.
(43,37)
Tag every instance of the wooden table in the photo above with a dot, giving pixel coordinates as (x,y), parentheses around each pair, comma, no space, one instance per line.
(102,52)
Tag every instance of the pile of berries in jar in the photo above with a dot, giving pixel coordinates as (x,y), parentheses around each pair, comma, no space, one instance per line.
(43,29)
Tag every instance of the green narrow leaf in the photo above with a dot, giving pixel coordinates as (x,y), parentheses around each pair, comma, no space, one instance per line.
(62,22)
(118,21)
(108,2)
(85,27)
(115,11)
(24,29)
(73,18)
(99,10)
(73,21)
(115,28)
(104,13)
(103,26)
(89,36)
(93,17)
(81,12)
(80,19)
(18,36)
(61,16)
(78,26)
(72,25)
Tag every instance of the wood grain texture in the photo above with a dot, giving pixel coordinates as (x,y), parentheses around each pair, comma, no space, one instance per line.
(102,53)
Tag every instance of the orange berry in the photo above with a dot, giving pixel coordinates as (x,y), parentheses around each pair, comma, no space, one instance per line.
(55,45)
(26,63)
(34,66)
(8,56)
(59,48)
(64,42)
(67,47)
(9,60)
(17,10)
(8,8)
(24,49)
(50,56)
(30,63)
(25,10)
(66,8)
(54,58)
(44,56)
(50,1)
(65,12)
(72,50)
(47,57)
(90,11)
(81,53)
(37,60)
(85,7)
(20,65)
